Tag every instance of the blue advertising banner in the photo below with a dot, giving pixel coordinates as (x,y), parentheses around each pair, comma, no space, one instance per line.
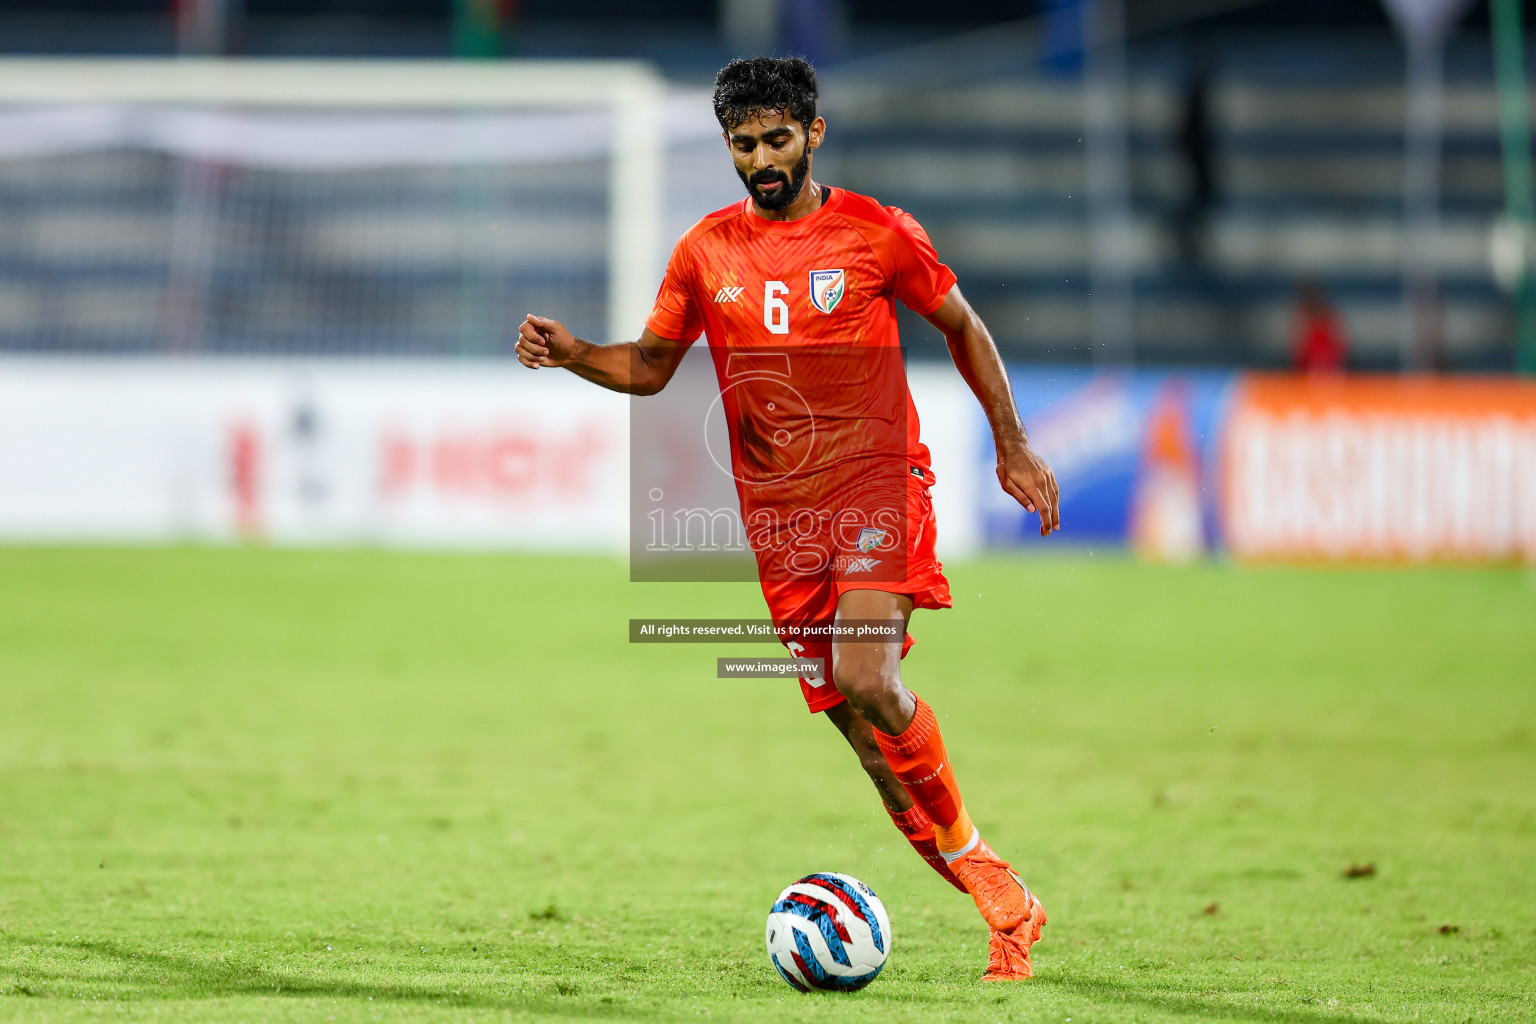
(1135,453)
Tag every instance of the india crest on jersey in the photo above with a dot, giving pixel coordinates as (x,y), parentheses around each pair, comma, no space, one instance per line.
(827,288)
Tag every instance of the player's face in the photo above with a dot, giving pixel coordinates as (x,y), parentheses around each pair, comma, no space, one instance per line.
(772,152)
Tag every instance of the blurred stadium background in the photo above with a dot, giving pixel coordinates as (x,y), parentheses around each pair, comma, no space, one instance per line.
(284,248)
(1262,273)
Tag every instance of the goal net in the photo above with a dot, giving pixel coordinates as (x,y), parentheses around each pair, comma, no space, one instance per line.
(330,207)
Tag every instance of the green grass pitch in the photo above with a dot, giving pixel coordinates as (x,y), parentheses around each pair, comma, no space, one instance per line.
(279,786)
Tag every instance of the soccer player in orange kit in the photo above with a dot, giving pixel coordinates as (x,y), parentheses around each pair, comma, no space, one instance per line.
(810,273)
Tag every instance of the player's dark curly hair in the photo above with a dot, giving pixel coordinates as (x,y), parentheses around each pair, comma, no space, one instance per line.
(786,85)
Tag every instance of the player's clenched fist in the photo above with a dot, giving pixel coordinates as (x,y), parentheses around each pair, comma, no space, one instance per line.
(1027,478)
(544,342)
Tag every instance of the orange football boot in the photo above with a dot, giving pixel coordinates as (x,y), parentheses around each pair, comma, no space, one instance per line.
(1009,908)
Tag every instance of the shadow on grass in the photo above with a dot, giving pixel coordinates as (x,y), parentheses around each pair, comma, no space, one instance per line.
(186,977)
(158,976)
(1104,991)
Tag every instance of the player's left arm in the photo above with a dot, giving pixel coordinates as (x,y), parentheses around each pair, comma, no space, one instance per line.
(1020,469)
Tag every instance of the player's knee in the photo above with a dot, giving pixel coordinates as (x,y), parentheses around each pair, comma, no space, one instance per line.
(861,681)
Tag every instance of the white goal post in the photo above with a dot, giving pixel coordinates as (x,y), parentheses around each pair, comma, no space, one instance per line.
(630,133)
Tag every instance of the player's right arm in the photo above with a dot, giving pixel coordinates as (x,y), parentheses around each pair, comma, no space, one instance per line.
(635,368)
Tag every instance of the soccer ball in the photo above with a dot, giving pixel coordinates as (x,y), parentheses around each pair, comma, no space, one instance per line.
(828,931)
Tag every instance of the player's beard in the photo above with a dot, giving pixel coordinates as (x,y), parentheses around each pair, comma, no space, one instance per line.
(784,196)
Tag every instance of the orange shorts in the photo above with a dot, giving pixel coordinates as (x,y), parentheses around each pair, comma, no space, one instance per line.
(815,599)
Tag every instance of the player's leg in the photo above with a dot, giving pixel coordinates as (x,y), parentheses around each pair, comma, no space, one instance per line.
(868,675)
(908,818)
(861,737)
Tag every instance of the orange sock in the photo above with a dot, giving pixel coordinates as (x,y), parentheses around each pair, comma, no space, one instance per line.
(914,824)
(918,758)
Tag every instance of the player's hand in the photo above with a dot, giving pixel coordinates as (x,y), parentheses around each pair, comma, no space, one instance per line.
(1030,482)
(544,342)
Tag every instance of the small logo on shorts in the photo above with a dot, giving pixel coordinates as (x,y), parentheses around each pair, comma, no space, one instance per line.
(870,538)
(861,565)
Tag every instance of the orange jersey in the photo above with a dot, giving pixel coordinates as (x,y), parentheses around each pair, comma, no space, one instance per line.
(801,320)
(832,477)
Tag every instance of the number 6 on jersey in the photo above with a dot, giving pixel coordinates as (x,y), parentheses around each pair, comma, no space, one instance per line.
(775,309)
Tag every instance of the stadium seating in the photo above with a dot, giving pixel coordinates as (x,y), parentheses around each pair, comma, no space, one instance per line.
(1299,140)
(1303,142)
